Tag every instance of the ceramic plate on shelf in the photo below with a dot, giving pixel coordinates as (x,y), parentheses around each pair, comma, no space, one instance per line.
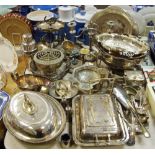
(8,55)
(125,7)
(149,17)
(13,26)
(139,20)
(44,7)
(4,10)
(39,15)
(147,10)
(8,6)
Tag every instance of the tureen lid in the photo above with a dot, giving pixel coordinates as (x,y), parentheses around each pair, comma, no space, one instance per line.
(34,117)
(31,112)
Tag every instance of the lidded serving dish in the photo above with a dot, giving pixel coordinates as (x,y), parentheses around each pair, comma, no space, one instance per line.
(96,121)
(33,117)
(48,60)
(121,51)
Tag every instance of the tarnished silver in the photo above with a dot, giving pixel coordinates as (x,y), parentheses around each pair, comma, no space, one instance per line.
(96,121)
(68,46)
(65,140)
(30,82)
(48,60)
(34,117)
(121,51)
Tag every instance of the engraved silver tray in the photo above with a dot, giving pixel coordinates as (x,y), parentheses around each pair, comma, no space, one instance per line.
(96,121)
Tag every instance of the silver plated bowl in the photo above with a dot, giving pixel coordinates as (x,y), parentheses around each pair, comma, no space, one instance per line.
(121,51)
(31,82)
(89,76)
(63,89)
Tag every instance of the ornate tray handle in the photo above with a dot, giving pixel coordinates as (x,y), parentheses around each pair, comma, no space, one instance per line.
(28,106)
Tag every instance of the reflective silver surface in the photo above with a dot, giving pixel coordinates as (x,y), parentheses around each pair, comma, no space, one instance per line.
(120,51)
(134,77)
(45,26)
(113,19)
(27,37)
(88,76)
(31,82)
(122,97)
(48,60)
(121,45)
(93,127)
(25,118)
(63,89)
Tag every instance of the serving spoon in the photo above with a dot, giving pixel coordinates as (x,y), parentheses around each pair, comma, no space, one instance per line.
(122,97)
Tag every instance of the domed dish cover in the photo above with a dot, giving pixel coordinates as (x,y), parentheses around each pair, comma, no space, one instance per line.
(32,118)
